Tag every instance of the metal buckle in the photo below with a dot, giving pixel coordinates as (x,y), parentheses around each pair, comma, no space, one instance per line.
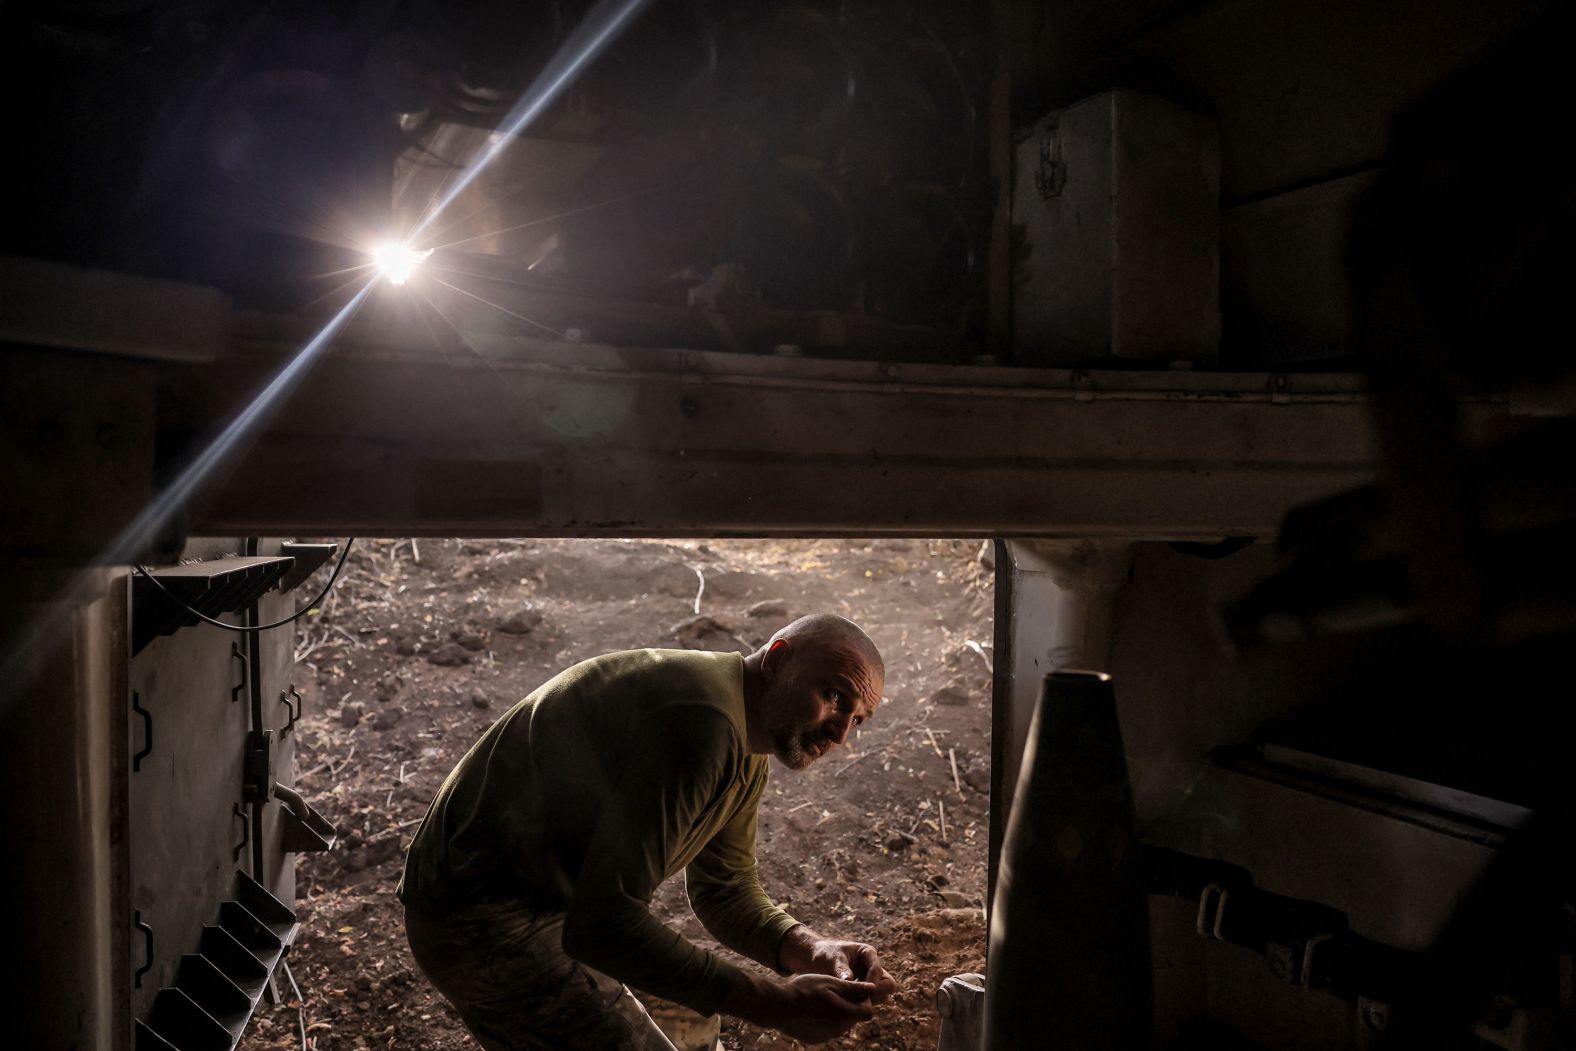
(1212,911)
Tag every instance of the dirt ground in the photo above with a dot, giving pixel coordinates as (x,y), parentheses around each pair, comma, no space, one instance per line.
(424,643)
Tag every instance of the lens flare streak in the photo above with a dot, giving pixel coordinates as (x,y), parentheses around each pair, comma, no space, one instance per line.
(142,530)
(396,262)
(600,27)
(506,310)
(133,541)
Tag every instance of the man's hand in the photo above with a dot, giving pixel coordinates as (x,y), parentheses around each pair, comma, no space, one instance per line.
(811,1008)
(805,952)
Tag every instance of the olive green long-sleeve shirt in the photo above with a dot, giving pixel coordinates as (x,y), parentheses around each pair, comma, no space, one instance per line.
(611,777)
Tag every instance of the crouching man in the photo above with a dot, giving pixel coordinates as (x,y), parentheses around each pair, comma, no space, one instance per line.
(527,887)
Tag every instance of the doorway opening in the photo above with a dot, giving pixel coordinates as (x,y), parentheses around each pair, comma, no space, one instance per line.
(425,642)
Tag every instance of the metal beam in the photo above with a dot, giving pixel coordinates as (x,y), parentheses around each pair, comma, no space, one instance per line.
(511,436)
(49,304)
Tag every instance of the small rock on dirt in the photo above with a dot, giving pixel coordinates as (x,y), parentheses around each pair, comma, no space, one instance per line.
(480,700)
(955,899)
(707,633)
(772,607)
(404,647)
(974,774)
(350,715)
(970,657)
(696,627)
(387,717)
(899,841)
(952,696)
(474,641)
(448,655)
(371,854)
(521,622)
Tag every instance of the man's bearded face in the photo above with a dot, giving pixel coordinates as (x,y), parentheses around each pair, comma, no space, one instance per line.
(815,698)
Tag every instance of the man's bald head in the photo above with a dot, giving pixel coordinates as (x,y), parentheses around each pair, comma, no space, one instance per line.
(833,633)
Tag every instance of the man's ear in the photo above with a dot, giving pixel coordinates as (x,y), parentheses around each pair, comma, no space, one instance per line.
(776,653)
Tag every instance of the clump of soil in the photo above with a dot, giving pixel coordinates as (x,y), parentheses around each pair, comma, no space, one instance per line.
(424,643)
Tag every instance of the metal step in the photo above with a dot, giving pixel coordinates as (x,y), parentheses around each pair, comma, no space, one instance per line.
(212,588)
(218,987)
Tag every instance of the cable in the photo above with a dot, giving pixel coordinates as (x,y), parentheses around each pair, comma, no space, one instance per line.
(297,615)
(306,1045)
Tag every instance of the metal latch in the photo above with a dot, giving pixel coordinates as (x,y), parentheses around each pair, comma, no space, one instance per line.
(1211,919)
(147,732)
(295,709)
(1050,176)
(257,770)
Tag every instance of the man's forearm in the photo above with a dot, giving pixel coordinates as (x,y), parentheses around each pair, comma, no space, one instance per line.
(755,999)
(740,916)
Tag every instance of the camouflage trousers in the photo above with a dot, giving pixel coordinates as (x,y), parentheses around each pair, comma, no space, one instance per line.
(503,968)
